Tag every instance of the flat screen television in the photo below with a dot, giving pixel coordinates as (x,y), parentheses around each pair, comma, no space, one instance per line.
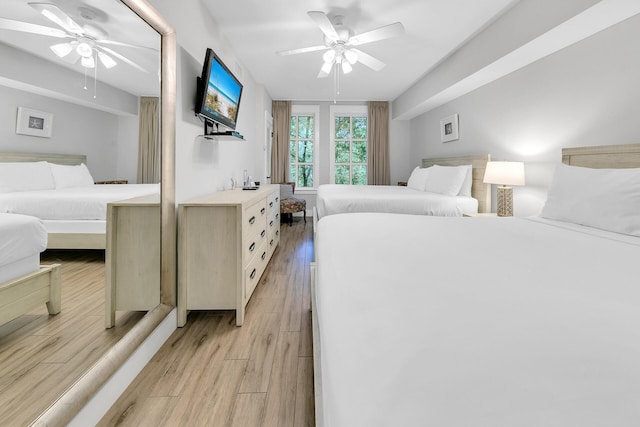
(219,93)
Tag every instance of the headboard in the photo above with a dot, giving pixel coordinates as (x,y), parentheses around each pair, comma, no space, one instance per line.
(61,159)
(479,190)
(603,156)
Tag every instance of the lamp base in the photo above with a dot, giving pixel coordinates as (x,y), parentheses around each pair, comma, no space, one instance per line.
(505,201)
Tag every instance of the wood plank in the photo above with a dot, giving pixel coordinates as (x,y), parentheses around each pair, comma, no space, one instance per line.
(256,378)
(248,410)
(305,409)
(281,398)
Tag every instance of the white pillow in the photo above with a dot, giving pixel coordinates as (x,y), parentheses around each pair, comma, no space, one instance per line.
(465,189)
(25,176)
(445,180)
(66,176)
(608,199)
(418,178)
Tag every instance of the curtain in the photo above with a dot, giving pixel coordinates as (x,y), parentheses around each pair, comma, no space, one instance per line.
(149,141)
(378,153)
(281,111)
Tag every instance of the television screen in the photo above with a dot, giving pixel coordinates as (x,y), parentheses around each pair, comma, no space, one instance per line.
(220,94)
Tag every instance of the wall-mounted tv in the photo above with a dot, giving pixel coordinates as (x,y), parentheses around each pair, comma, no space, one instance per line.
(219,93)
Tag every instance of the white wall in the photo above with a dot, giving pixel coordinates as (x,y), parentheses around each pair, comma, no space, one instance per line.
(585,94)
(206,166)
(76,130)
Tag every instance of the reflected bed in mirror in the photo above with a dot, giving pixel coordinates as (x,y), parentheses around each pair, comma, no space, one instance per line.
(86,111)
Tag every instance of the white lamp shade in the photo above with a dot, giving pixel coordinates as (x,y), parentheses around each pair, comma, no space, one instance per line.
(61,49)
(504,173)
(346,67)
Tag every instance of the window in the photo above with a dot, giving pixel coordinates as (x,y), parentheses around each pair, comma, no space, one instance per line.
(303,145)
(349,126)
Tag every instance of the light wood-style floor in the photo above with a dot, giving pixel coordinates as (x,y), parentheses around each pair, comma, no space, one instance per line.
(212,373)
(42,355)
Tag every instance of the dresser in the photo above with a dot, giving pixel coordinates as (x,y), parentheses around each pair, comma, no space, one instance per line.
(225,241)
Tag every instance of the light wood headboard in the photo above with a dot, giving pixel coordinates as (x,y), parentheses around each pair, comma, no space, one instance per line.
(603,156)
(61,159)
(479,190)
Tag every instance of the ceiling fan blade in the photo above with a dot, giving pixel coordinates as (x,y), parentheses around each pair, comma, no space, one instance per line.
(386,32)
(57,16)
(325,24)
(122,58)
(301,50)
(116,43)
(26,27)
(369,61)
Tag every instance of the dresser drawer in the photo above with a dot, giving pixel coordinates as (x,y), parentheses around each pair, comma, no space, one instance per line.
(254,216)
(254,270)
(253,243)
(273,202)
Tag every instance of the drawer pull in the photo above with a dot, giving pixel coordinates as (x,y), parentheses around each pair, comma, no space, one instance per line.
(264,254)
(253,274)
(277,232)
(270,204)
(277,215)
(271,242)
(263,233)
(271,223)
(252,220)
(262,211)
(252,247)
(277,198)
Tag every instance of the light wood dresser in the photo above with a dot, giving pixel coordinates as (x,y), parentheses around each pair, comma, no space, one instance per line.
(225,241)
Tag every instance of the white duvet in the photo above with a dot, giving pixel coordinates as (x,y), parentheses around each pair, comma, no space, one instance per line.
(428,321)
(334,199)
(77,203)
(20,237)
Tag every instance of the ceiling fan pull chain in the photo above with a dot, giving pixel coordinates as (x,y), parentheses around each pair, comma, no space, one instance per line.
(95,78)
(85,79)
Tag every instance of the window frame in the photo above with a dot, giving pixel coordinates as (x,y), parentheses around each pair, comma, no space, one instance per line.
(308,110)
(344,110)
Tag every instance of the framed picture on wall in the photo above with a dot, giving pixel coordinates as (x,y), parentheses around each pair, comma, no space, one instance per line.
(449,128)
(34,123)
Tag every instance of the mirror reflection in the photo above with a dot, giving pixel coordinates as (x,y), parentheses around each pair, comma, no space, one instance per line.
(79,191)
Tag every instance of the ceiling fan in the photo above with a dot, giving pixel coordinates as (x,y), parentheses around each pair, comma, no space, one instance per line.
(339,44)
(85,43)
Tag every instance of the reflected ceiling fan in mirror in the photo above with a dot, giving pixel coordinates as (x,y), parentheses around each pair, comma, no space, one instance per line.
(339,44)
(85,43)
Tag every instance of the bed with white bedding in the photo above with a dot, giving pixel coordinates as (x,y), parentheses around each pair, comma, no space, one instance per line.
(24,284)
(485,322)
(59,190)
(454,187)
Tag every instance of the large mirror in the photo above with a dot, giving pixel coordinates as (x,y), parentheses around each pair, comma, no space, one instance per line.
(51,365)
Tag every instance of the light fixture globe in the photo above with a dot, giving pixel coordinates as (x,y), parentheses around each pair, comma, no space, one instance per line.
(84,49)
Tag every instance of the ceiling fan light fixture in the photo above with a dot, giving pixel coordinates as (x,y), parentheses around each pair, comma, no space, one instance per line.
(62,49)
(329,56)
(326,67)
(84,50)
(346,67)
(87,62)
(351,56)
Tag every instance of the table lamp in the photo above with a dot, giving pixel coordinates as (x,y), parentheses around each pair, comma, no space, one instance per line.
(504,174)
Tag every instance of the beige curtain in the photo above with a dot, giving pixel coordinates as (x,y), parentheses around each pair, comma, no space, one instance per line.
(378,152)
(149,141)
(281,111)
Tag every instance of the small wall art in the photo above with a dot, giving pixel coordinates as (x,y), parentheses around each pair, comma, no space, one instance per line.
(34,123)
(449,128)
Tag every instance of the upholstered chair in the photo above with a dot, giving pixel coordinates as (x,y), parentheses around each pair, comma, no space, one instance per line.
(289,204)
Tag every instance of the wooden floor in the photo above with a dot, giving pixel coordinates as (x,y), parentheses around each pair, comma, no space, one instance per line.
(42,355)
(212,373)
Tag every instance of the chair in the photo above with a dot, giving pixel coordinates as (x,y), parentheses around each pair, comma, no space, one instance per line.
(289,204)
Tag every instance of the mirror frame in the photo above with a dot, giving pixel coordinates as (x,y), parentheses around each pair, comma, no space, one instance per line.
(76,397)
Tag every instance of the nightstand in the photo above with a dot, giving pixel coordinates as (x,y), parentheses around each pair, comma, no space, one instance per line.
(481,215)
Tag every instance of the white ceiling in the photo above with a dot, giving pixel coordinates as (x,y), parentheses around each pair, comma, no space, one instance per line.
(114,19)
(433,30)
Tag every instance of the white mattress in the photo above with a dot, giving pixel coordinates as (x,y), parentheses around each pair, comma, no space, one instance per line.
(334,199)
(78,203)
(79,226)
(22,238)
(428,321)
